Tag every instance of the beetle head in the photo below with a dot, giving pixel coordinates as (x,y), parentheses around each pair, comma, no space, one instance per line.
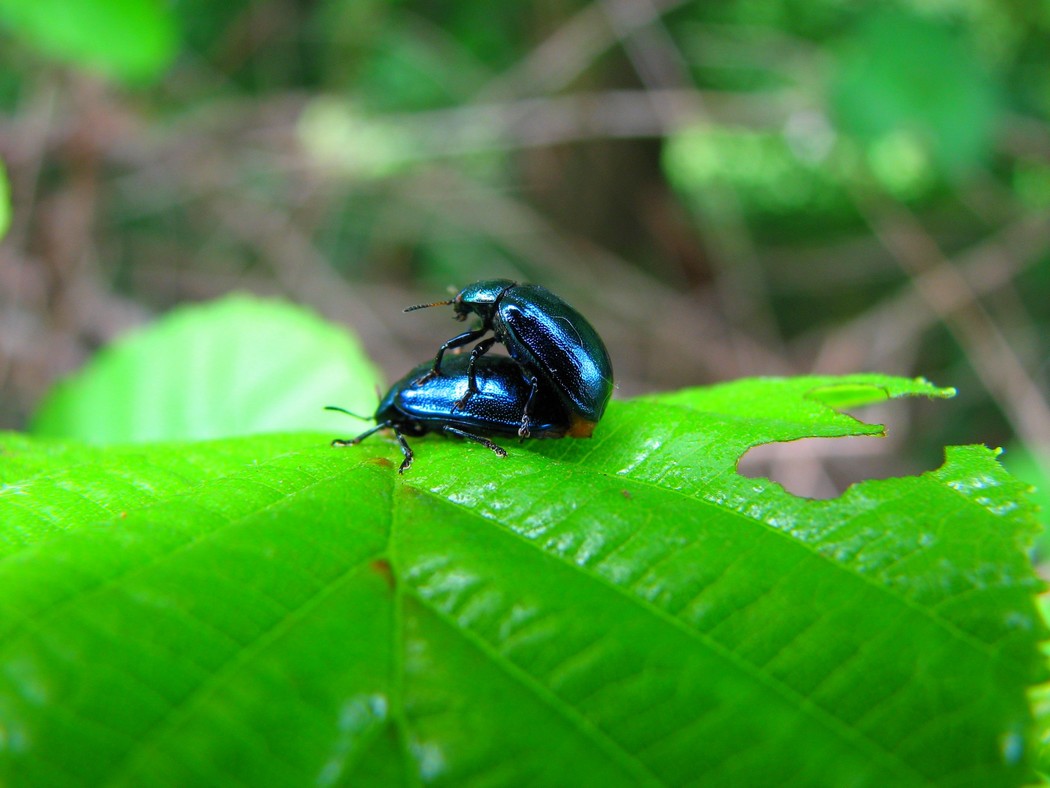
(480,298)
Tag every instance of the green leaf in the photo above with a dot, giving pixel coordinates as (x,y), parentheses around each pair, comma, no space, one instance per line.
(626,610)
(1035,470)
(131,40)
(235,367)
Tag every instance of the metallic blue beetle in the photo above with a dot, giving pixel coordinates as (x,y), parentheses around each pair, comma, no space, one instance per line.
(494,409)
(554,344)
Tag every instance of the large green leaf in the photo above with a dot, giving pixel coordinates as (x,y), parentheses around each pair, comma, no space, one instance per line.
(132,40)
(626,610)
(235,367)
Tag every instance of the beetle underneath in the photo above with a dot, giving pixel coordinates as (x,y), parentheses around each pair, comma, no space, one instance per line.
(442,404)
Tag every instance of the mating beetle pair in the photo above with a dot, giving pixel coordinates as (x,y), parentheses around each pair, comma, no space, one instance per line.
(556,383)
(494,408)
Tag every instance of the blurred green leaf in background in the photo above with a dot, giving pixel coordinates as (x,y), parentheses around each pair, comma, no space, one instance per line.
(908,87)
(130,40)
(238,367)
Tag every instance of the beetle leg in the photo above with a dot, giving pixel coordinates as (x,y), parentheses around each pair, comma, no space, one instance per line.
(354,441)
(457,341)
(523,430)
(476,438)
(409,456)
(472,372)
(472,368)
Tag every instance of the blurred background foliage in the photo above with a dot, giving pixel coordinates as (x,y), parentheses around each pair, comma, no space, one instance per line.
(725,189)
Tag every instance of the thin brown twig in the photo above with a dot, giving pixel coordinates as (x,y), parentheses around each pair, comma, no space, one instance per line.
(949,295)
(30,137)
(741,279)
(986,267)
(565,54)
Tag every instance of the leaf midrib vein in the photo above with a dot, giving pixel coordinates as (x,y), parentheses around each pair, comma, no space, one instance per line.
(396,689)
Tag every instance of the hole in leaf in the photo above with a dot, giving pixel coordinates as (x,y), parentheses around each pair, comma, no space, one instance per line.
(823,468)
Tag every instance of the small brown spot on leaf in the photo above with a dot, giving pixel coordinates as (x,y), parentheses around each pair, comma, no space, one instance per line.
(382,567)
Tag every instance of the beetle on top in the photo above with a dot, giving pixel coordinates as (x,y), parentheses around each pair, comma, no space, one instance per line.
(554,344)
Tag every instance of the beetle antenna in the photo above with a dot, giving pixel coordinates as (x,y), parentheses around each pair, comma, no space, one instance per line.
(425,306)
(347,412)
